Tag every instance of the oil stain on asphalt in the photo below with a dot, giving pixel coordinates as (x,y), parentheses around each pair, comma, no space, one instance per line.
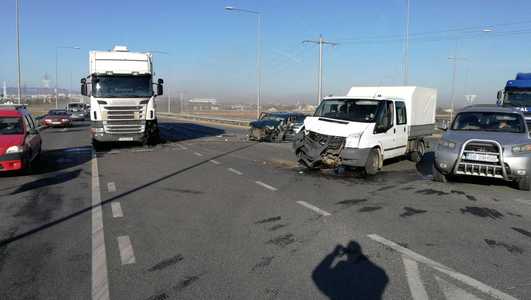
(264,262)
(350,202)
(410,211)
(522,231)
(369,208)
(166,263)
(431,192)
(483,212)
(283,240)
(268,220)
(510,248)
(277,226)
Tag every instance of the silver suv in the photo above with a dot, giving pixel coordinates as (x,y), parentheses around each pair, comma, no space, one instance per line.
(485,141)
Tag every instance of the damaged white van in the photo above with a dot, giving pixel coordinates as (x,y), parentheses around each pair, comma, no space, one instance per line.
(368,126)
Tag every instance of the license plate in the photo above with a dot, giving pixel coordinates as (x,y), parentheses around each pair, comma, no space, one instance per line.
(125,139)
(56,123)
(482,157)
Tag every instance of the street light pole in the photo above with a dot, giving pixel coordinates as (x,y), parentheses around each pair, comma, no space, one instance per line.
(320,42)
(18,51)
(258,53)
(406,45)
(57,71)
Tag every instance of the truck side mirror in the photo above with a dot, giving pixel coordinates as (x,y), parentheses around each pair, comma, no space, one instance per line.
(83,86)
(160,90)
(500,95)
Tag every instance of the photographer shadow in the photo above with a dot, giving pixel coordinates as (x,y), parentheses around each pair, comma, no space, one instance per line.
(353,276)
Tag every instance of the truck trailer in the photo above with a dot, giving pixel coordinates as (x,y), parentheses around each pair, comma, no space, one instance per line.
(122,101)
(368,126)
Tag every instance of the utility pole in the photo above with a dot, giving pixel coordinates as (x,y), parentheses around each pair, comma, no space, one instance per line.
(454,59)
(18,51)
(320,42)
(181,95)
(406,45)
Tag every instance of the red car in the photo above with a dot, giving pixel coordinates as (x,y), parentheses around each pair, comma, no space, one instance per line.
(20,141)
(57,118)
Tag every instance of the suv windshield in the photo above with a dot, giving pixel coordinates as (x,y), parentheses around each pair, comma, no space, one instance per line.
(518,98)
(355,110)
(272,117)
(11,125)
(120,86)
(57,112)
(489,121)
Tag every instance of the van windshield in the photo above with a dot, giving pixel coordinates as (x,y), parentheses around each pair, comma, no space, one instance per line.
(354,110)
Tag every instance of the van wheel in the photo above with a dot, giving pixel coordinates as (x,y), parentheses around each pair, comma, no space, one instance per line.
(416,156)
(437,175)
(373,162)
(524,184)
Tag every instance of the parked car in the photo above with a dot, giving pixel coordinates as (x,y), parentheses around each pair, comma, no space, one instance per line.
(485,141)
(20,141)
(78,111)
(276,126)
(57,118)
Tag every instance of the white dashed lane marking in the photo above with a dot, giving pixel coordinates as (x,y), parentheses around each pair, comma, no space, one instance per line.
(111,187)
(267,186)
(314,208)
(480,286)
(215,162)
(127,255)
(116,208)
(418,292)
(198,154)
(235,171)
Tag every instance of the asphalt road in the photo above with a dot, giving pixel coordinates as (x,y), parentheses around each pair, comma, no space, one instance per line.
(208,215)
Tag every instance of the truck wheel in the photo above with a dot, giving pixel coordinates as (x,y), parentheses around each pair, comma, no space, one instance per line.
(97,145)
(437,175)
(373,162)
(524,184)
(416,156)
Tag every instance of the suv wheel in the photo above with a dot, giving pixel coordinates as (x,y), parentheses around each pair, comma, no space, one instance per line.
(524,184)
(437,175)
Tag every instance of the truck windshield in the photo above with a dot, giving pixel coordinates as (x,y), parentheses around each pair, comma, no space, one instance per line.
(120,86)
(10,126)
(489,121)
(518,98)
(355,110)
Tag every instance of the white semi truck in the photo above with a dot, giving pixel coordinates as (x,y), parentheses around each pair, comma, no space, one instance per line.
(368,126)
(122,100)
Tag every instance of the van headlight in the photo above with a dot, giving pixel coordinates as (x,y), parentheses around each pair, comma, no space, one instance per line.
(526,148)
(353,140)
(447,144)
(14,149)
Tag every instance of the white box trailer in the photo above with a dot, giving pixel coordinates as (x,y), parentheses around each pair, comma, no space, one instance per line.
(367,126)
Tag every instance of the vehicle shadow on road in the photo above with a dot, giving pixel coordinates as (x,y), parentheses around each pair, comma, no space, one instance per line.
(177,131)
(354,276)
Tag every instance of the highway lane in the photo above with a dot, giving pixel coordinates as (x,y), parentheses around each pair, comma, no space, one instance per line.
(45,245)
(207,214)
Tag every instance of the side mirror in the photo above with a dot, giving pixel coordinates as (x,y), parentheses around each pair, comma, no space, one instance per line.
(500,95)
(160,90)
(443,126)
(33,131)
(160,81)
(83,86)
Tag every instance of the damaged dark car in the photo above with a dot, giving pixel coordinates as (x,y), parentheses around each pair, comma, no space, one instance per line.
(276,126)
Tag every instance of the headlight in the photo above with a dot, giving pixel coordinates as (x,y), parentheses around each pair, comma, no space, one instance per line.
(353,140)
(47,120)
(521,148)
(270,127)
(64,120)
(447,144)
(14,149)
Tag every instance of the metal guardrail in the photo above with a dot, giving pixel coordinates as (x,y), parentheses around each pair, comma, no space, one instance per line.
(242,123)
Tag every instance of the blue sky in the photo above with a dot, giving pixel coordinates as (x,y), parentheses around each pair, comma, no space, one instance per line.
(212,51)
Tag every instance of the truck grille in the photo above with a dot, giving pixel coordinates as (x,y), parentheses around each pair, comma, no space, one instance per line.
(124,119)
(334,142)
(481,158)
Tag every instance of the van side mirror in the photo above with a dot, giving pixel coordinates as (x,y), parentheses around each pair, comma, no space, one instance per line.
(83,86)
(443,126)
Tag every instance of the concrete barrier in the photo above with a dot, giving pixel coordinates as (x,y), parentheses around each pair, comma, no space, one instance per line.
(241,123)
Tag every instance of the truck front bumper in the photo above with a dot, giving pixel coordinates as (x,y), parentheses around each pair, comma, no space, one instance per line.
(99,134)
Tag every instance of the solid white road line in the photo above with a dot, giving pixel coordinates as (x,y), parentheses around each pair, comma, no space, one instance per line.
(442,268)
(314,208)
(127,255)
(418,292)
(451,291)
(116,210)
(235,171)
(198,154)
(267,186)
(215,162)
(111,187)
(528,202)
(100,284)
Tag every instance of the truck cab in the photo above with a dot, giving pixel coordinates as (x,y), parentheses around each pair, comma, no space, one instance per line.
(366,127)
(517,93)
(122,97)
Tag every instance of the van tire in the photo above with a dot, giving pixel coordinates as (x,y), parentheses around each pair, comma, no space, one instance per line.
(437,175)
(417,155)
(372,165)
(524,184)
